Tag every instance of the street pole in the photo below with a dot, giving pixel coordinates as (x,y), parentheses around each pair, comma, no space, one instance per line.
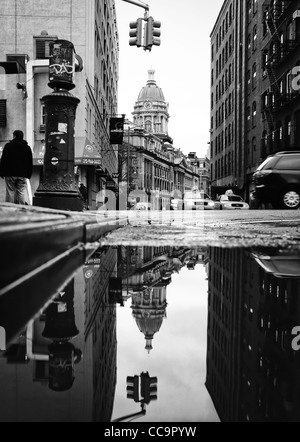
(137,3)
(58,188)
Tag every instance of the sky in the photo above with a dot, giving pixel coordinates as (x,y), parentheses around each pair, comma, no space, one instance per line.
(182,65)
(178,358)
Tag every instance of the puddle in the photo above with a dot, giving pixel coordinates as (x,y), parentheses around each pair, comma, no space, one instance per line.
(188,334)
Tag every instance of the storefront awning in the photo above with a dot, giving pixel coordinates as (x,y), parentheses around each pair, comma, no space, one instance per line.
(86,154)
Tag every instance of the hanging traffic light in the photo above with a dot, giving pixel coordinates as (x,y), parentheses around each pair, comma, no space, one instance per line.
(148,388)
(133,388)
(152,34)
(136,33)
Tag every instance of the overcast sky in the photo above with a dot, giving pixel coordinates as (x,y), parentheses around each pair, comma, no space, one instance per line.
(182,65)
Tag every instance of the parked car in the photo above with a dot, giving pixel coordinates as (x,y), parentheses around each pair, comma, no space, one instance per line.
(197,200)
(277,181)
(231,202)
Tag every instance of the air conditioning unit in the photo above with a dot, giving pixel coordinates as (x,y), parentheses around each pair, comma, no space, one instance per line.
(42,46)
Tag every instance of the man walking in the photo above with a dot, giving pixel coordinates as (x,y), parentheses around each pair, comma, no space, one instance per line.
(16,167)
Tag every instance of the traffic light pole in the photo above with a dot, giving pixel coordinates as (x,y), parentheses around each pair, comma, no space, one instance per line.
(136,3)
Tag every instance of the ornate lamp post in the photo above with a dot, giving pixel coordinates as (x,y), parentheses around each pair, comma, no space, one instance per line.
(58,188)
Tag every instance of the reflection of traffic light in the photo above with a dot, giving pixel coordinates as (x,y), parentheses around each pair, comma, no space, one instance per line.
(149,388)
(136,33)
(152,34)
(133,388)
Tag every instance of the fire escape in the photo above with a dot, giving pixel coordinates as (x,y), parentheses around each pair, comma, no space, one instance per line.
(276,53)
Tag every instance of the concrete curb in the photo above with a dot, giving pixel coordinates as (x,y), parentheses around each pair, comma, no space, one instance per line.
(32,236)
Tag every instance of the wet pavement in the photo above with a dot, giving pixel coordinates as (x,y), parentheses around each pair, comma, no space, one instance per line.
(206,229)
(211,329)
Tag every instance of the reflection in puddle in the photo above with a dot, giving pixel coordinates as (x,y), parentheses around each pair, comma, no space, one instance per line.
(162,335)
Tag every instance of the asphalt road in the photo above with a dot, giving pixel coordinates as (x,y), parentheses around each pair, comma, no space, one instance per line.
(278,229)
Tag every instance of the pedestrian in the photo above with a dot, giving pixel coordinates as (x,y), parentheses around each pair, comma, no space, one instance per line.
(84,195)
(16,167)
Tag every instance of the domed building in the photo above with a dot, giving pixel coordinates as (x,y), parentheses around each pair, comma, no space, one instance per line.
(151,111)
(149,310)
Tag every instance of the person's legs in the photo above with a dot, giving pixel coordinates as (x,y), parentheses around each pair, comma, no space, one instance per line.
(21,190)
(10,189)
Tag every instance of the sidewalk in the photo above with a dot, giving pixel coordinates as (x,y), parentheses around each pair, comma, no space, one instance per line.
(31,237)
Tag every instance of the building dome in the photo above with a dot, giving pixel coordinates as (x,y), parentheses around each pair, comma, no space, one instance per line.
(149,310)
(151,92)
(151,111)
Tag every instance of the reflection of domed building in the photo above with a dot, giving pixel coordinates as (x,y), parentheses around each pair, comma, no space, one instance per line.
(151,110)
(149,310)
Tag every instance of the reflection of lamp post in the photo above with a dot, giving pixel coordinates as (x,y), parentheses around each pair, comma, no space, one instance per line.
(60,328)
(58,188)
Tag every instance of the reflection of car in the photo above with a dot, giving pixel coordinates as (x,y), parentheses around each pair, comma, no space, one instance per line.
(196,200)
(277,181)
(281,266)
(231,202)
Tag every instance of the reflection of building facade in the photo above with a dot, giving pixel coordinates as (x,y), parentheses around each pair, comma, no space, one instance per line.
(252,371)
(82,383)
(100,332)
(24,56)
(146,273)
(157,166)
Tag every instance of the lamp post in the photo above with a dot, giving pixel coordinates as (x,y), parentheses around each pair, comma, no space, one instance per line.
(58,188)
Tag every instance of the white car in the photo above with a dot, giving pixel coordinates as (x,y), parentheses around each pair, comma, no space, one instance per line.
(196,200)
(231,202)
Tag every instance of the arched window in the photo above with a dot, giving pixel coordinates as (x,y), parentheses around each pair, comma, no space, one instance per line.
(254,38)
(254,76)
(248,118)
(254,114)
(148,126)
(230,14)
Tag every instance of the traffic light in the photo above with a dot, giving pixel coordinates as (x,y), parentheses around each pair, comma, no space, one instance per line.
(152,34)
(136,33)
(149,388)
(133,388)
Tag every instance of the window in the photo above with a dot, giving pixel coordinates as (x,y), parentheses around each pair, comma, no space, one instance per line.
(248,118)
(249,10)
(254,114)
(290,162)
(42,47)
(43,118)
(3,115)
(254,43)
(254,76)
(230,15)
(255,7)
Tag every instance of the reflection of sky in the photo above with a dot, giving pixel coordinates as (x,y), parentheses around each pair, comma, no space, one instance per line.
(178,357)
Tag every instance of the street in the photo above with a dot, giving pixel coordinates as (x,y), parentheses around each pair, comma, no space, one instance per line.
(206,229)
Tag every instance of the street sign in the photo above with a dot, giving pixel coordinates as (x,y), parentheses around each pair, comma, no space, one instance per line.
(115,175)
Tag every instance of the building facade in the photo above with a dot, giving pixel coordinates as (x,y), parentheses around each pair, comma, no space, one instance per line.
(26,31)
(149,162)
(252,368)
(255,88)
